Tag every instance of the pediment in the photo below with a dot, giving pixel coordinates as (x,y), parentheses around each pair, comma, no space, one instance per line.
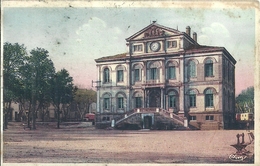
(152,31)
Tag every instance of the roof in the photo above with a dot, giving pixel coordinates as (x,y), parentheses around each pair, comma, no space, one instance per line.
(193,48)
(190,50)
(203,49)
(112,58)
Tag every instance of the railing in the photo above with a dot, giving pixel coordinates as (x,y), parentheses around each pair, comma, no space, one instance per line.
(136,111)
(126,116)
(173,116)
(152,83)
(152,109)
(159,110)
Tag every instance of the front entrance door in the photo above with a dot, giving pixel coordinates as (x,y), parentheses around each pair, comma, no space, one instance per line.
(147,122)
(155,98)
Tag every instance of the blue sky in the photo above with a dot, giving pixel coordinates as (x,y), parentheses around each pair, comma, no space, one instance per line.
(75,36)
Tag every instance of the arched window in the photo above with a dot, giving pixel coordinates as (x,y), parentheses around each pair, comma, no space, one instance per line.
(192,98)
(120,74)
(120,102)
(208,68)
(138,100)
(137,73)
(106,75)
(153,71)
(171,71)
(209,101)
(106,102)
(153,74)
(172,99)
(192,69)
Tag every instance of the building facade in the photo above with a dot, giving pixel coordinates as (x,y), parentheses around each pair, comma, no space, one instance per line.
(167,69)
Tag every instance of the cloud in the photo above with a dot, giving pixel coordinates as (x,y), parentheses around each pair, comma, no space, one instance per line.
(94,25)
(215,34)
(99,38)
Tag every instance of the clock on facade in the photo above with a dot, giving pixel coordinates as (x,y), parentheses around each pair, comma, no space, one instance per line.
(155,46)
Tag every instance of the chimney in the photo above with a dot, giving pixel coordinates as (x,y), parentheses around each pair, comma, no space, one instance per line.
(188,30)
(195,36)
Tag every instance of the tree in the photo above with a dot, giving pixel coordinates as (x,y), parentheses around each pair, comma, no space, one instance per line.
(245,101)
(13,60)
(40,70)
(84,98)
(62,91)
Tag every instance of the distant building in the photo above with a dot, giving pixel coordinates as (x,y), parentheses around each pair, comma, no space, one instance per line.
(168,70)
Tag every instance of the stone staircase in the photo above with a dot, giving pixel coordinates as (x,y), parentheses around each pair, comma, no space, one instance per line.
(163,119)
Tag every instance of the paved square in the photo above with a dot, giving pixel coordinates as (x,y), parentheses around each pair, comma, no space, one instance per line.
(79,144)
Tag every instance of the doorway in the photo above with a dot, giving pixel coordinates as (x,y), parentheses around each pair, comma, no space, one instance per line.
(147,122)
(154,98)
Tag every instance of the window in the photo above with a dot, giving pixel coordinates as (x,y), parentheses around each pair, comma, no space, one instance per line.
(171,72)
(106,75)
(192,69)
(193,118)
(153,74)
(209,117)
(120,102)
(137,74)
(172,99)
(153,70)
(209,68)
(209,98)
(138,48)
(106,118)
(106,103)
(171,44)
(192,98)
(138,102)
(120,76)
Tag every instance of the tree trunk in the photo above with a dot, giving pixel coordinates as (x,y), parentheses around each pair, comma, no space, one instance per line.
(58,117)
(6,114)
(33,113)
(5,121)
(29,116)
(43,114)
(79,112)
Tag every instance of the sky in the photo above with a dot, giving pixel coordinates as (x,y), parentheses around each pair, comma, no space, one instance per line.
(76,36)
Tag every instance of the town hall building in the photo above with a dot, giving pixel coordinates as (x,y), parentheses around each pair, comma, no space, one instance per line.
(169,71)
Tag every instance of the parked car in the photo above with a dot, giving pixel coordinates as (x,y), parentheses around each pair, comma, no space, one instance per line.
(89,117)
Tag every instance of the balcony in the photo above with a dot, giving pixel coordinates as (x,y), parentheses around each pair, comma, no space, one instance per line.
(153,83)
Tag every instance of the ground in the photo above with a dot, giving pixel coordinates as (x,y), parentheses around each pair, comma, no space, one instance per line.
(81,143)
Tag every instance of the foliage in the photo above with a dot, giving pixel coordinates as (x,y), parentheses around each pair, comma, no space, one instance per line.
(40,71)
(31,81)
(83,99)
(62,91)
(13,61)
(245,100)
(14,57)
